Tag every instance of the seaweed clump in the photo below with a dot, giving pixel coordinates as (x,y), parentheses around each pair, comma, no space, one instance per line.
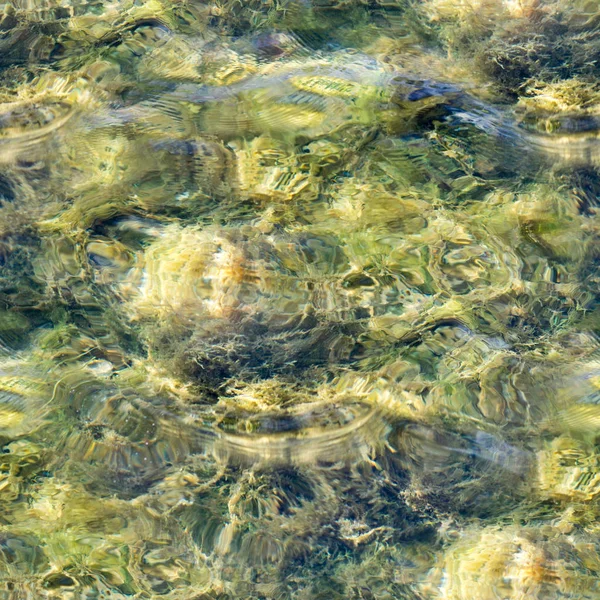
(515,43)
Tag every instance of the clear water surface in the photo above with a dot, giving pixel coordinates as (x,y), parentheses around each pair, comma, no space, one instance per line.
(299,299)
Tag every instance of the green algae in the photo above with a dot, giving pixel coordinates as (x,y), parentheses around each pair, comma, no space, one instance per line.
(299,300)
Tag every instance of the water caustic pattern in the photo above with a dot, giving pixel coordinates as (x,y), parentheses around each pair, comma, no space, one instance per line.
(299,300)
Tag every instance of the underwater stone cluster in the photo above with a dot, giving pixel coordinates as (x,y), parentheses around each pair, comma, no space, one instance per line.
(299,300)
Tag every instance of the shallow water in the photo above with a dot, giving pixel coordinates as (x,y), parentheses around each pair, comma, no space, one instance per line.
(299,300)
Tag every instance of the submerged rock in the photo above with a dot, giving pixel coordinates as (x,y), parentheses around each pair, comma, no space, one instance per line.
(517,562)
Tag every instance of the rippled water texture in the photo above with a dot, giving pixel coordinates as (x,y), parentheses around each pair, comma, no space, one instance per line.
(299,299)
